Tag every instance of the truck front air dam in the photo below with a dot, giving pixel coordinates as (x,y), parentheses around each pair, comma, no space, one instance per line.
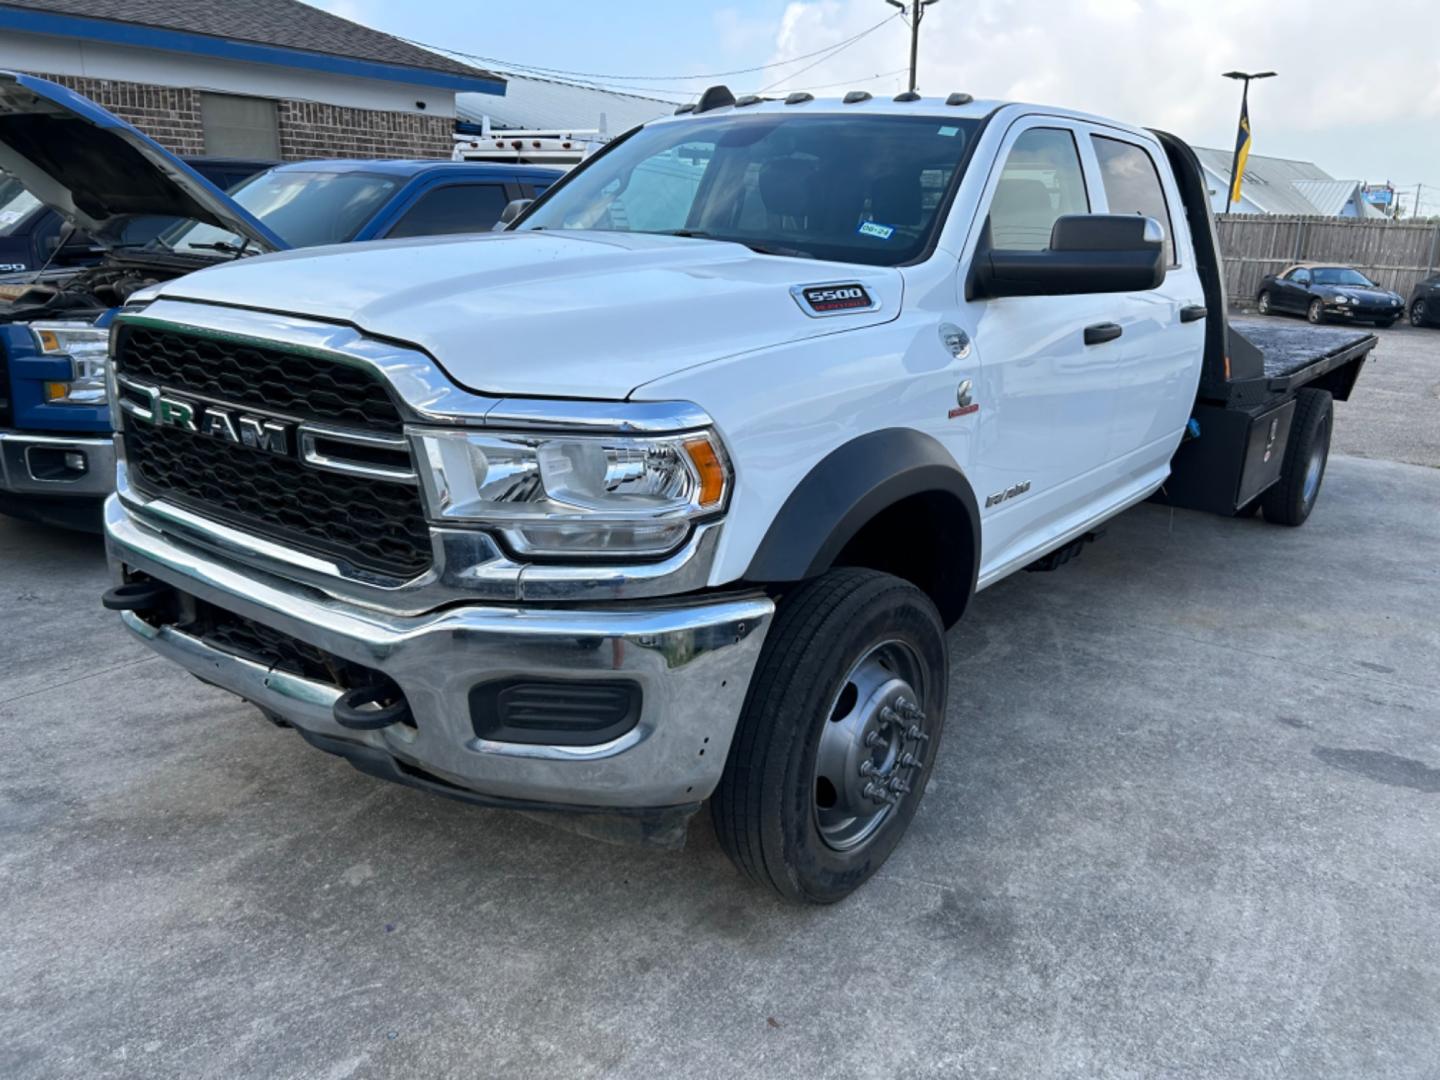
(691,661)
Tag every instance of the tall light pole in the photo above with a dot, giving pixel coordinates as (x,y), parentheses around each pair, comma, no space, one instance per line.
(1242,136)
(917,12)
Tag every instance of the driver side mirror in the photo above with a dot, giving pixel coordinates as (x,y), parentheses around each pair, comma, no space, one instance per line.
(513,209)
(1088,253)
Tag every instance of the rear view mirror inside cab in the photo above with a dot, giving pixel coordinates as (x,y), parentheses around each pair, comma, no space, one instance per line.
(1088,253)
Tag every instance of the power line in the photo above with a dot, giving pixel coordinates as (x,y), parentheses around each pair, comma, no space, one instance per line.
(512,65)
(852,82)
(844,45)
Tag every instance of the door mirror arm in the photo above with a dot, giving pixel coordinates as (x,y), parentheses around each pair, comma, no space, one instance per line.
(513,209)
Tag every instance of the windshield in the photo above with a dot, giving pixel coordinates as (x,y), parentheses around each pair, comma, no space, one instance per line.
(15,203)
(853,188)
(304,208)
(1339,275)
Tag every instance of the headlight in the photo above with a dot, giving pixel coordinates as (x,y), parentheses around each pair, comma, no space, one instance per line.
(1341,299)
(86,346)
(576,495)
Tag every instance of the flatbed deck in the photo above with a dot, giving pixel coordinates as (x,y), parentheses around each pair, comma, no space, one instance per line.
(1290,345)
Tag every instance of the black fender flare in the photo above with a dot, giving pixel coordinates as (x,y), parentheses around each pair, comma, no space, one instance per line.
(846,489)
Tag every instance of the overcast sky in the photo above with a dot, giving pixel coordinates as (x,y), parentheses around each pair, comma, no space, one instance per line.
(1358,90)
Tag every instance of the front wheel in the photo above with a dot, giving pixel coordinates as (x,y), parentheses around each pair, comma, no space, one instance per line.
(1417,313)
(1315,312)
(1307,451)
(1262,304)
(838,735)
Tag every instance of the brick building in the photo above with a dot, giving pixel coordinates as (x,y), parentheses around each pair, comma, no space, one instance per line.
(245,78)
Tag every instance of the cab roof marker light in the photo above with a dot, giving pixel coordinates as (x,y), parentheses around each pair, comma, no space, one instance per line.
(688,107)
(854,97)
(799,97)
(748,99)
(959,99)
(908,95)
(717,97)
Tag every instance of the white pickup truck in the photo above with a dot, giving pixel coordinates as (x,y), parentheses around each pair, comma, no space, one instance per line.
(669,492)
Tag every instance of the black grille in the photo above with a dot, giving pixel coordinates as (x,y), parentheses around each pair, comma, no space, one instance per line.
(373,524)
(555,712)
(238,373)
(255,641)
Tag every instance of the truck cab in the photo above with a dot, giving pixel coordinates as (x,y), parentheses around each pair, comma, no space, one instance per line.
(765,392)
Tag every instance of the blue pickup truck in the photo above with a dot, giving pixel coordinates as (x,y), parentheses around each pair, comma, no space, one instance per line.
(57,460)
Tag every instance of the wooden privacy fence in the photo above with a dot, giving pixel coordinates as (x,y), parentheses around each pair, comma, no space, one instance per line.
(1390,254)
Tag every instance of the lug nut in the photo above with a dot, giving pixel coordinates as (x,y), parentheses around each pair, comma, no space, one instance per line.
(916,734)
(910,761)
(874,739)
(889,716)
(899,786)
(868,768)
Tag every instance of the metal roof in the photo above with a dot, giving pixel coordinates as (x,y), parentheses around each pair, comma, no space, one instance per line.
(1330,197)
(240,29)
(1269,181)
(545,105)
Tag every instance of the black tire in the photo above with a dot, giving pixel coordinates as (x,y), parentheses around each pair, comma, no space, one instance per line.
(1315,312)
(766,808)
(1262,303)
(1417,313)
(1291,500)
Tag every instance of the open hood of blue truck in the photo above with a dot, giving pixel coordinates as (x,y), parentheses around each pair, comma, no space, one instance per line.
(100,172)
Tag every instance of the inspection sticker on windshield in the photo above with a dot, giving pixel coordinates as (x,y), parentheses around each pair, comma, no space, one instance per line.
(874,228)
(951,132)
(833,299)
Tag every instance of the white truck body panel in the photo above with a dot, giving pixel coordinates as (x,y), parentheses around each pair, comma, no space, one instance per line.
(582,315)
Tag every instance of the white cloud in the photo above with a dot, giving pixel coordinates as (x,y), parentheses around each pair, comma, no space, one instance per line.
(360,11)
(1158,62)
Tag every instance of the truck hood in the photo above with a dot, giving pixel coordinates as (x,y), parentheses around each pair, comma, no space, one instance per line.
(99,172)
(572,314)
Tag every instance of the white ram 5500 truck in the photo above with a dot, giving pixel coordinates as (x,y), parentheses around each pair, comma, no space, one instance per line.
(669,492)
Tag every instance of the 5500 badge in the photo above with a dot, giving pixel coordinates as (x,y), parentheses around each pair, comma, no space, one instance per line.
(834,298)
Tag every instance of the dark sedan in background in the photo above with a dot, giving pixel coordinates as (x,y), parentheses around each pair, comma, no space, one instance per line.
(1425,303)
(1324,292)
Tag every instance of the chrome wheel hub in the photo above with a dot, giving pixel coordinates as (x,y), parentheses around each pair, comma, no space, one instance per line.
(873,746)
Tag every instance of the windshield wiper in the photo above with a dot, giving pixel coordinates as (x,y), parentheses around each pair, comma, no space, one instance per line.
(758,248)
(224,246)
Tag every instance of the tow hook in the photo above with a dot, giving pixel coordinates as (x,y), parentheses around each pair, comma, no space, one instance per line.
(370,708)
(144,594)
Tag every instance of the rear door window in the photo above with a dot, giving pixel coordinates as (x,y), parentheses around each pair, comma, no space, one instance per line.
(458,208)
(1132,184)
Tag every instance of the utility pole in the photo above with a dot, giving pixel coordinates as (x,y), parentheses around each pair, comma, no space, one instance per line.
(1242,135)
(917,12)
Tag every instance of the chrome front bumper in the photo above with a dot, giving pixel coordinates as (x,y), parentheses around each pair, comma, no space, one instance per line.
(693,662)
(20,462)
